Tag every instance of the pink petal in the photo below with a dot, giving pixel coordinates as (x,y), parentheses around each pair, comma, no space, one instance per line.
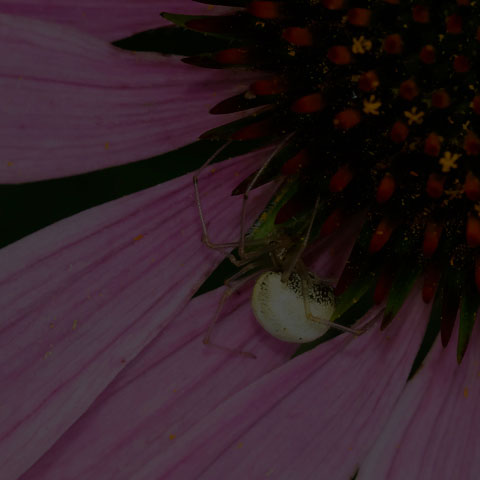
(327,258)
(170,387)
(173,384)
(72,104)
(433,431)
(107,19)
(82,298)
(314,417)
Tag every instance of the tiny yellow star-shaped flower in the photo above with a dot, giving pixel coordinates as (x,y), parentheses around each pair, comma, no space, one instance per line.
(456,192)
(372,105)
(414,116)
(449,161)
(361,45)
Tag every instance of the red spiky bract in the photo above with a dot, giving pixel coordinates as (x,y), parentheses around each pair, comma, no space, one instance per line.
(473,231)
(332,223)
(472,187)
(269,86)
(431,238)
(381,236)
(435,185)
(341,179)
(301,37)
(309,104)
(430,282)
(264,9)
(385,188)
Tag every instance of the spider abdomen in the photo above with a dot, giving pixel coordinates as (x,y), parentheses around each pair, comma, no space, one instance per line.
(280,309)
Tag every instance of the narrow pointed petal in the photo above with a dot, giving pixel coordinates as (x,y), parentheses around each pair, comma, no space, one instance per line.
(172,385)
(433,430)
(313,417)
(328,257)
(81,298)
(73,104)
(107,19)
(306,419)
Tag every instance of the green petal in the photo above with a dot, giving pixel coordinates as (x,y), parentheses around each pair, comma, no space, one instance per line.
(174,41)
(402,284)
(468,313)
(38,204)
(432,331)
(353,304)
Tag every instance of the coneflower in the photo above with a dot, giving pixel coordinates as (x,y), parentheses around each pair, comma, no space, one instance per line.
(376,144)
(380,102)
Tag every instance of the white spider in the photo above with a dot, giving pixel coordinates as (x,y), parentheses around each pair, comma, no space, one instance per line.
(289,301)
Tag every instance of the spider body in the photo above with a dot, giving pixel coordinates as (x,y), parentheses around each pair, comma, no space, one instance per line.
(289,301)
(279,306)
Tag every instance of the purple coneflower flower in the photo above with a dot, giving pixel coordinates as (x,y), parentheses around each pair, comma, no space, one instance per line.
(104,373)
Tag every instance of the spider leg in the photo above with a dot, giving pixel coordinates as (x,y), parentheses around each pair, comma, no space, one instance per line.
(269,249)
(229,290)
(294,260)
(224,247)
(250,186)
(249,256)
(205,237)
(247,268)
(306,283)
(369,323)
